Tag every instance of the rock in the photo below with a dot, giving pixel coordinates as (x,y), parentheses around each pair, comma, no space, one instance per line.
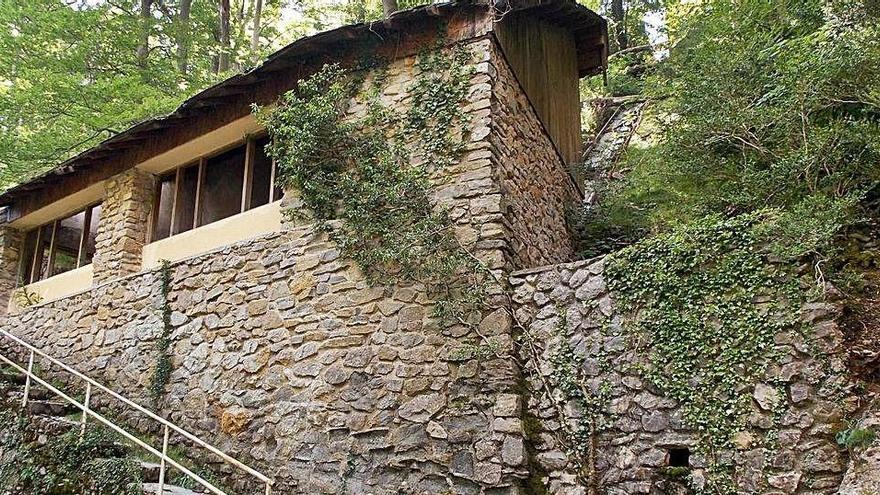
(766,396)
(513,451)
(655,421)
(507,405)
(421,408)
(743,440)
(436,431)
(787,482)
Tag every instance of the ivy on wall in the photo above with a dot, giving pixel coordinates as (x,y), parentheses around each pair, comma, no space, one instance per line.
(366,179)
(706,305)
(162,372)
(568,378)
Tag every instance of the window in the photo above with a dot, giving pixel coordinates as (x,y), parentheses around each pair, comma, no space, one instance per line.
(59,246)
(214,188)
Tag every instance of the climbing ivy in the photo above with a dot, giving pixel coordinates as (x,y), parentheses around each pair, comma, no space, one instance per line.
(698,299)
(365,176)
(162,372)
(567,377)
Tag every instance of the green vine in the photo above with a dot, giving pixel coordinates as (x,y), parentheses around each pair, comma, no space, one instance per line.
(64,464)
(162,373)
(367,179)
(698,300)
(568,378)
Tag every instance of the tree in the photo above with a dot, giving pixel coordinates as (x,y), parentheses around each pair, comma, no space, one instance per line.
(146,18)
(75,73)
(225,45)
(773,105)
(389,7)
(183,36)
(255,33)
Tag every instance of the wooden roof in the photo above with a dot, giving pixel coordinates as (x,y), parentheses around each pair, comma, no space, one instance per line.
(589,29)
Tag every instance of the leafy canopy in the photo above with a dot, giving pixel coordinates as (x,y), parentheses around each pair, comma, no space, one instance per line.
(773,105)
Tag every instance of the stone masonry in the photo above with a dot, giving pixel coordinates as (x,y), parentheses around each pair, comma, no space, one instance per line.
(123,226)
(10,242)
(815,396)
(287,359)
(536,187)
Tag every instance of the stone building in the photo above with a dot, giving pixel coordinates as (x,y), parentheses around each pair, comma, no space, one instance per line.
(285,357)
(282,353)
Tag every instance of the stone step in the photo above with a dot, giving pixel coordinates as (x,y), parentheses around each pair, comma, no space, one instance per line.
(153,489)
(39,393)
(50,408)
(12,377)
(150,471)
(54,425)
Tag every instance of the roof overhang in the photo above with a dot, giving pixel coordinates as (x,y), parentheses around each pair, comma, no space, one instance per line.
(300,58)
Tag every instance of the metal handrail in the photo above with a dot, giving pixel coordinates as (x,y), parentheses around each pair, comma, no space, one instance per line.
(87,411)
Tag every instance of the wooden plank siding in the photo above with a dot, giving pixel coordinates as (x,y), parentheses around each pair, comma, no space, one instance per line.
(544,59)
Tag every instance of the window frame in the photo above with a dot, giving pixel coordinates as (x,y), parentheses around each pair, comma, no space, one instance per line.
(28,278)
(249,142)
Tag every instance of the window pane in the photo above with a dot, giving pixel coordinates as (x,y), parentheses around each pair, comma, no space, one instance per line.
(28,250)
(164,202)
(91,235)
(221,190)
(41,263)
(262,178)
(186,199)
(68,237)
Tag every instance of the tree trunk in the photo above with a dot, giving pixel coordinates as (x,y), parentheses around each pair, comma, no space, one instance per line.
(618,15)
(183,36)
(145,17)
(241,27)
(223,61)
(255,36)
(389,7)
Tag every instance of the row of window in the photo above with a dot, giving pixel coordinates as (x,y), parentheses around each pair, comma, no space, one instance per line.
(214,188)
(59,246)
(196,194)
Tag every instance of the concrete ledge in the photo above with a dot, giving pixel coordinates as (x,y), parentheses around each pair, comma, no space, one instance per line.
(57,286)
(247,225)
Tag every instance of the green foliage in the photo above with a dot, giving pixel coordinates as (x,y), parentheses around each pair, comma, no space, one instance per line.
(65,464)
(162,373)
(697,299)
(367,179)
(774,105)
(854,437)
(568,381)
(675,472)
(71,75)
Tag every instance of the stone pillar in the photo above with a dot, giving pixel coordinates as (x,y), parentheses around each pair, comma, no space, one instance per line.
(124,224)
(10,244)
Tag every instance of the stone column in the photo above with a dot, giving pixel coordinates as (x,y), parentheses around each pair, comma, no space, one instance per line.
(10,244)
(123,228)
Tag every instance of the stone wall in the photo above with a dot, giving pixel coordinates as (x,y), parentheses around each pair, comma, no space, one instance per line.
(284,357)
(536,187)
(792,451)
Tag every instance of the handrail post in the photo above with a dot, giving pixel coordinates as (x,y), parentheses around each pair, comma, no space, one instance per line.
(85,413)
(162,462)
(27,380)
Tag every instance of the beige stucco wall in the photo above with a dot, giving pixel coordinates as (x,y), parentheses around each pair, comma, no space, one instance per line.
(247,225)
(58,286)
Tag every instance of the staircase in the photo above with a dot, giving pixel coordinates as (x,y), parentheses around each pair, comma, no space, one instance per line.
(53,418)
(56,413)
